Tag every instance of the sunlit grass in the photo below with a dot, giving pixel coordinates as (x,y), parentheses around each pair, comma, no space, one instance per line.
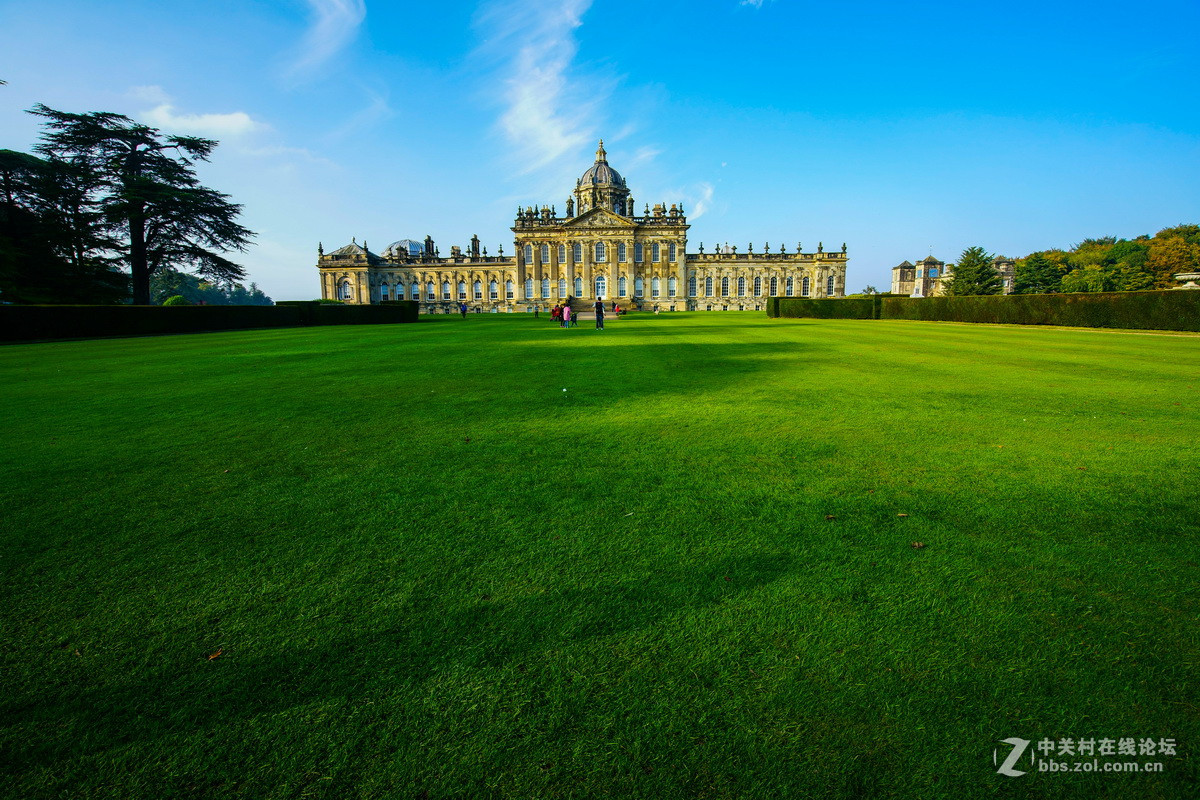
(426,568)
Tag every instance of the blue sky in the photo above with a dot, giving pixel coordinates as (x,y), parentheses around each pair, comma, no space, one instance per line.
(890,126)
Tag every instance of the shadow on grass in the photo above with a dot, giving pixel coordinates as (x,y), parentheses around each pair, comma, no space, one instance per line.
(426,641)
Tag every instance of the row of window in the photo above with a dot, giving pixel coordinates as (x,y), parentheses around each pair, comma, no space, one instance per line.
(600,288)
(600,253)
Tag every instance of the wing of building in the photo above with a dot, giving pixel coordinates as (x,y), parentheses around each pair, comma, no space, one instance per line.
(600,249)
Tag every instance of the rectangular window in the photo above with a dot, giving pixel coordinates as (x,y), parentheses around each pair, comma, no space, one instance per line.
(600,252)
(671,253)
(638,251)
(577,252)
(789,287)
(562,287)
(508,289)
(529,288)
(562,253)
(655,252)
(829,286)
(545,287)
(621,252)
(545,254)
(672,287)
(691,287)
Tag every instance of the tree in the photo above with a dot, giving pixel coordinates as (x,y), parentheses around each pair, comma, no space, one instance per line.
(1035,274)
(52,243)
(148,194)
(974,274)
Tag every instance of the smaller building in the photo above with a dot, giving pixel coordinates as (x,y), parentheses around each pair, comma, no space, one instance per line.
(929,276)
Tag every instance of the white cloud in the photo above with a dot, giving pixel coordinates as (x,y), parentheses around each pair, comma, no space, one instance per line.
(334,25)
(700,201)
(546,115)
(237,123)
(754,3)
(148,94)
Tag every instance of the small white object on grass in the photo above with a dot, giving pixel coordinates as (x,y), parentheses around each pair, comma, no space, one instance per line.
(564,390)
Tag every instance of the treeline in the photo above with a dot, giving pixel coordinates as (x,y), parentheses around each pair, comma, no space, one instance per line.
(103,205)
(1109,264)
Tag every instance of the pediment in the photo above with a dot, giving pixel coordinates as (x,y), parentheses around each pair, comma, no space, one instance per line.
(599,218)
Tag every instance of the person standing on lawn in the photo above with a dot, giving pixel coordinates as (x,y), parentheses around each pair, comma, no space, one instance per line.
(566,314)
(462,309)
(599,313)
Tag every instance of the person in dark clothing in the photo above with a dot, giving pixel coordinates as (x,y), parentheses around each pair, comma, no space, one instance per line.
(599,314)
(462,309)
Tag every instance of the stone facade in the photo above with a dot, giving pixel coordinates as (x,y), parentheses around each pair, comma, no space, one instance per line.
(928,277)
(601,248)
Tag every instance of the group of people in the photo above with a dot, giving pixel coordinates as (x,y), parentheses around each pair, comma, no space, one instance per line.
(566,318)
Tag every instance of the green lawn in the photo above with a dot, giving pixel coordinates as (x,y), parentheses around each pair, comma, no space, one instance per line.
(431,572)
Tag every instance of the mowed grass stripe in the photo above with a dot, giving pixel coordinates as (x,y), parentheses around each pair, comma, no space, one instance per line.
(429,569)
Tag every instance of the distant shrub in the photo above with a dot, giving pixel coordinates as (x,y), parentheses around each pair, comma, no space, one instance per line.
(176,300)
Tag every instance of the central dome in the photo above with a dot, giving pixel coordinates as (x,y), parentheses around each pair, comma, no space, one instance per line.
(601,172)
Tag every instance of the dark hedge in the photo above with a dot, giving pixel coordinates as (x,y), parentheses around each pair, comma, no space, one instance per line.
(26,323)
(823,308)
(1169,310)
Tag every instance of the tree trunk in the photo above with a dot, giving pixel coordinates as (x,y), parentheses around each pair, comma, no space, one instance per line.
(137,257)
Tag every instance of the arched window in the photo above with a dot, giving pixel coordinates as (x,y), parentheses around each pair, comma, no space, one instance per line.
(804,287)
(528,254)
(708,287)
(655,287)
(600,251)
(601,287)
(829,286)
(508,289)
(655,252)
(383,291)
(672,287)
(758,288)
(529,288)
(345,293)
(639,288)
(621,287)
(741,287)
(414,291)
(621,252)
(562,287)
(578,286)
(562,253)
(493,290)
(477,290)
(724,287)
(789,287)
(430,292)
(671,252)
(692,287)
(638,251)
(577,252)
(545,254)
(774,287)
(545,287)
(462,290)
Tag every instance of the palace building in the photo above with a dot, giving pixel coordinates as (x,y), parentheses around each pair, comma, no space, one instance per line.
(600,249)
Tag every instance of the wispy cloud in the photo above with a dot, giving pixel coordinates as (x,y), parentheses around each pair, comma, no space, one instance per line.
(545,114)
(376,110)
(236,123)
(700,201)
(334,25)
(754,3)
